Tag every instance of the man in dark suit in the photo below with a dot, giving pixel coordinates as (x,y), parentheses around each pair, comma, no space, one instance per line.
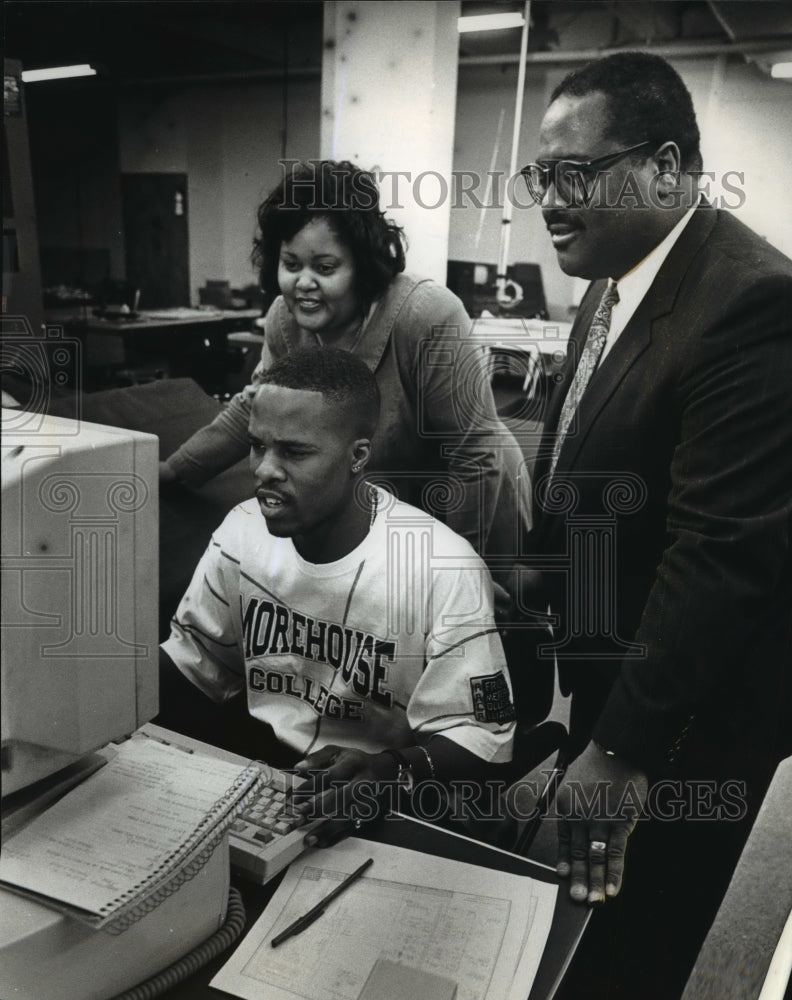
(663,521)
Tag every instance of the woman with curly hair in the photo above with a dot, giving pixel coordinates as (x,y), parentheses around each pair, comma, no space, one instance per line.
(332,269)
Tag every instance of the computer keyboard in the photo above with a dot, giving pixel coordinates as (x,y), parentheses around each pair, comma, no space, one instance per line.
(263,841)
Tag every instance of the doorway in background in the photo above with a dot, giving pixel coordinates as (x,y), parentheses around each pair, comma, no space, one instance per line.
(156,238)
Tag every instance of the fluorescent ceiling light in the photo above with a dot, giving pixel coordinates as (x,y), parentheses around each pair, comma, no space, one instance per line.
(56,73)
(781,71)
(489,22)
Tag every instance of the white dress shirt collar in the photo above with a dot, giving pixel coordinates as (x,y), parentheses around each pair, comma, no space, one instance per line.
(634,285)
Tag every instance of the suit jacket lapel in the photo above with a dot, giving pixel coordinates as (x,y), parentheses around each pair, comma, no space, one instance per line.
(631,344)
(637,335)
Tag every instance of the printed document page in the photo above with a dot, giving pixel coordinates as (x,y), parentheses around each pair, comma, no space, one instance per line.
(484,929)
(111,835)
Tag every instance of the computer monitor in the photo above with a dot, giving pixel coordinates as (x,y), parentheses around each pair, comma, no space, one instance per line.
(80,544)
(476,286)
(80,563)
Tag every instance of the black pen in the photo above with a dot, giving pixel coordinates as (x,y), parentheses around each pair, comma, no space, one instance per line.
(316,911)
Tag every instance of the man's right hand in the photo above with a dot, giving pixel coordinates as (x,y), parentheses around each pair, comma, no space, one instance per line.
(341,786)
(597,804)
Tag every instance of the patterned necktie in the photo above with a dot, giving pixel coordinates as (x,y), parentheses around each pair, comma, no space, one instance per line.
(589,359)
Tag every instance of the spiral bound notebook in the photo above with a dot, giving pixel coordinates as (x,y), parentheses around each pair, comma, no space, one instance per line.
(114,847)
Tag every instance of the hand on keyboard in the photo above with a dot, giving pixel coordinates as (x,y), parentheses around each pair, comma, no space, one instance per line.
(343,787)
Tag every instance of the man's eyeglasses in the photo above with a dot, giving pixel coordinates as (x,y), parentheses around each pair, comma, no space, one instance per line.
(573,179)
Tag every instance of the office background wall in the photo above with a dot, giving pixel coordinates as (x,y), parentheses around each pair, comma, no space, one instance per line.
(74,163)
(389,80)
(228,139)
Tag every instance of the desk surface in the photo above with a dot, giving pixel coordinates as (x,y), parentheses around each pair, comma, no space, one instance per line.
(148,319)
(569,920)
(543,336)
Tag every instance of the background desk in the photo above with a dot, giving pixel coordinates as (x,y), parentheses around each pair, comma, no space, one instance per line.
(175,342)
(530,352)
(569,920)
(543,337)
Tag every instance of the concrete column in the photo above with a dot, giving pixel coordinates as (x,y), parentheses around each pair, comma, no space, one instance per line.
(389,77)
